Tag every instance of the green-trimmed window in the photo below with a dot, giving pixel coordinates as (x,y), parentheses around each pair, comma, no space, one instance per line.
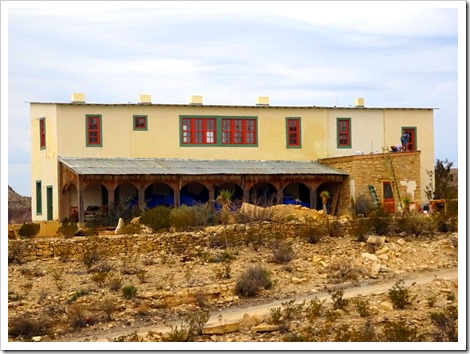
(94,132)
(238,131)
(38,197)
(343,128)
(140,123)
(198,130)
(293,133)
(42,133)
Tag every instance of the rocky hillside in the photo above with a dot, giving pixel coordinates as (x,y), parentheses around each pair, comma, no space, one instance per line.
(19,208)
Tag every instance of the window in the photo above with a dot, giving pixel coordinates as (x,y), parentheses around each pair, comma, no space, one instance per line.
(38,198)
(412,144)
(198,130)
(42,133)
(293,132)
(343,132)
(238,131)
(140,123)
(93,130)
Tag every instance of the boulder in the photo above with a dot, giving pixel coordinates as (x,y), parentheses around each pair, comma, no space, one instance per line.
(386,306)
(120,227)
(369,256)
(222,328)
(264,327)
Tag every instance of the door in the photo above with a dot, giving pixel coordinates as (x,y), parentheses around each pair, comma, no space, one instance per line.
(412,143)
(49,202)
(388,200)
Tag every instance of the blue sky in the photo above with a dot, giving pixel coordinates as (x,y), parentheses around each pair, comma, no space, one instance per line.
(393,54)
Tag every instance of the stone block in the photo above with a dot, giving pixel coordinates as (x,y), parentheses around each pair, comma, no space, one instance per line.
(222,328)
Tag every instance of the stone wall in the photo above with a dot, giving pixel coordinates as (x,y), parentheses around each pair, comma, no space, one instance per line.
(370,169)
(180,243)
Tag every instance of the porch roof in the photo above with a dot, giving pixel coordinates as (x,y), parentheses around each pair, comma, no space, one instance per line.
(148,166)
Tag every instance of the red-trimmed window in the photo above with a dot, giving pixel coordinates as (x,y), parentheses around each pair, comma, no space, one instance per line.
(238,131)
(42,133)
(344,132)
(140,122)
(94,130)
(198,130)
(293,132)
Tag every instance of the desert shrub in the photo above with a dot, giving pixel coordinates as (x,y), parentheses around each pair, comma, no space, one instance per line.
(157,218)
(361,227)
(190,327)
(223,271)
(79,316)
(361,304)
(338,301)
(412,224)
(129,291)
(57,274)
(115,283)
(183,217)
(26,326)
(252,280)
(345,333)
(108,306)
(399,331)
(205,214)
(333,227)
(380,220)
(257,237)
(29,229)
(399,295)
(362,206)
(92,256)
(444,223)
(131,228)
(125,208)
(68,227)
(283,252)
(314,308)
(446,324)
(143,276)
(312,230)
(143,310)
(99,278)
(343,269)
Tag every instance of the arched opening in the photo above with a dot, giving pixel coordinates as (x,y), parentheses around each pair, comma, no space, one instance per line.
(159,194)
(95,200)
(332,189)
(296,193)
(263,194)
(237,191)
(126,195)
(194,193)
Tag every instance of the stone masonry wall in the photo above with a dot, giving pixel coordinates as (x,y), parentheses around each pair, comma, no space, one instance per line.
(370,169)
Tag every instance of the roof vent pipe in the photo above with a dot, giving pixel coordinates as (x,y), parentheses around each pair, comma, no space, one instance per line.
(262,101)
(78,98)
(359,102)
(145,99)
(195,100)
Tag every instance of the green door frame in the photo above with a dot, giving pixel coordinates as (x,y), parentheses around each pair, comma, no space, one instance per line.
(49,202)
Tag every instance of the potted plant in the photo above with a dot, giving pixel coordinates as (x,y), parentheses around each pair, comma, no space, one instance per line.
(406,200)
(324,196)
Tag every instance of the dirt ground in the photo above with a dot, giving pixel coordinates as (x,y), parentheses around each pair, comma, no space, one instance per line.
(52,290)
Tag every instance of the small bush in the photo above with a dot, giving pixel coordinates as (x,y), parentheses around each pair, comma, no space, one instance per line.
(143,276)
(338,301)
(68,227)
(99,278)
(115,283)
(108,306)
(314,308)
(399,295)
(446,324)
(190,328)
(362,306)
(91,257)
(183,217)
(312,231)
(360,229)
(129,291)
(252,280)
(157,218)
(399,331)
(26,326)
(343,269)
(333,227)
(79,316)
(362,206)
(257,236)
(77,294)
(29,230)
(283,252)
(380,220)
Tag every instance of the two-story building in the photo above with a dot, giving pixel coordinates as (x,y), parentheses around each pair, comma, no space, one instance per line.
(87,156)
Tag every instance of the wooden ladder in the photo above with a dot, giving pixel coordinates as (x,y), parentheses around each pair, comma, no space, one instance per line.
(393,178)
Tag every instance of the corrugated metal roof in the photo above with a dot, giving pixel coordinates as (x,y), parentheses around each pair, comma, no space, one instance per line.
(231,106)
(127,166)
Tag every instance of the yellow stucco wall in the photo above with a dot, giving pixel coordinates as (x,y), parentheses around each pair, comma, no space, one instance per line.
(66,135)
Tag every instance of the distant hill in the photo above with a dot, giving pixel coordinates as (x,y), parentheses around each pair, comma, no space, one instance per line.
(19,208)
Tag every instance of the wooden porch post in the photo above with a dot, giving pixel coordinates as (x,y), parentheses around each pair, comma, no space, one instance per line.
(81,211)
